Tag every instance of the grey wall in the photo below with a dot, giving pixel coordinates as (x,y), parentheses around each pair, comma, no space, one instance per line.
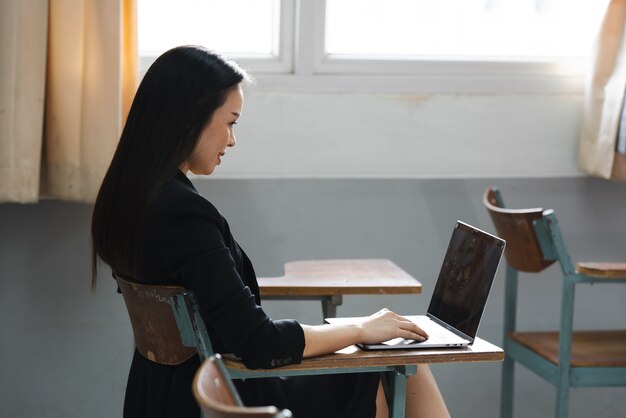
(65,351)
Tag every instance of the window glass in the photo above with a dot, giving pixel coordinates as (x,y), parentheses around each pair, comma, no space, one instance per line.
(462,28)
(243,28)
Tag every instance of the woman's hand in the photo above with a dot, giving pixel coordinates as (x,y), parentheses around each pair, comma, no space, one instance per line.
(385,325)
(382,326)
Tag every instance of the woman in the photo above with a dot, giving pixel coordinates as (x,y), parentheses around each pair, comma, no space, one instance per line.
(150,225)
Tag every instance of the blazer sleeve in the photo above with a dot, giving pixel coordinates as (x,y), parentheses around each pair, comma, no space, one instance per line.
(196,255)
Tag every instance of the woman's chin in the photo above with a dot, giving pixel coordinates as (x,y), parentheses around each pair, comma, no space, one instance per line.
(203,172)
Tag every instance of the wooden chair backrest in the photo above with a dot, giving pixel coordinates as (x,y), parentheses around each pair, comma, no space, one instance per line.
(523,251)
(218,398)
(154,326)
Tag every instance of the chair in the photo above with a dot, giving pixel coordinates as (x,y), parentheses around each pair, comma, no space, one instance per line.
(166,322)
(155,329)
(566,358)
(168,329)
(218,398)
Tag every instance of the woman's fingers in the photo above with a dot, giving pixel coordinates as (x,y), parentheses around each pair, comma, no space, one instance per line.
(408,324)
(411,326)
(386,324)
(408,335)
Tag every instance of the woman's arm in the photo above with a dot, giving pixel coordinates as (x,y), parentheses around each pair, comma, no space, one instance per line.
(382,326)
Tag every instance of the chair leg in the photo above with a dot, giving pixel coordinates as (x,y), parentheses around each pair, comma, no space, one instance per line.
(565,347)
(562,400)
(394,384)
(506,395)
(508,366)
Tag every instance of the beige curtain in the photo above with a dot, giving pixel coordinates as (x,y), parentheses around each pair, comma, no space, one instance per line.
(23,34)
(68,71)
(604,98)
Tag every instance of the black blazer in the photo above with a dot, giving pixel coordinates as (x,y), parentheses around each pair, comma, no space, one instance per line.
(189,243)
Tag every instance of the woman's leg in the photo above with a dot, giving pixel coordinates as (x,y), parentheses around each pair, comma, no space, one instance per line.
(381,403)
(423,398)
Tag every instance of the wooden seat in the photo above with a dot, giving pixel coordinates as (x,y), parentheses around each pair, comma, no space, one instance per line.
(564,357)
(604,270)
(589,348)
(218,398)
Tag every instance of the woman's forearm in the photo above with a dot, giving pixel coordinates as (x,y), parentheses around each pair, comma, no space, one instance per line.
(322,339)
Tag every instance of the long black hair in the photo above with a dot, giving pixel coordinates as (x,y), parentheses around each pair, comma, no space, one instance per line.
(175,100)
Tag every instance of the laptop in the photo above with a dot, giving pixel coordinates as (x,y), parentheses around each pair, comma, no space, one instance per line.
(460,295)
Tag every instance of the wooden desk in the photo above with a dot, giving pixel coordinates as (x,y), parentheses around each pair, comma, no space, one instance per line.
(329,280)
(397,364)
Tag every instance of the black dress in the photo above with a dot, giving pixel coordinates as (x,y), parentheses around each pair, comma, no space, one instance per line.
(188,242)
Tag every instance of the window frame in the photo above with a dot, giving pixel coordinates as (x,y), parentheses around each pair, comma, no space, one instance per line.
(303,66)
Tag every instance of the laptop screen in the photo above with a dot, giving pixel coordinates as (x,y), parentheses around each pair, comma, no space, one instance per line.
(468,269)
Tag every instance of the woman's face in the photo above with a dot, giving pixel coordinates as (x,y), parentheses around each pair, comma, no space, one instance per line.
(218,135)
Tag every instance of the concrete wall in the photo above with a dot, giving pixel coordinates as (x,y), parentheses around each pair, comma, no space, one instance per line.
(65,351)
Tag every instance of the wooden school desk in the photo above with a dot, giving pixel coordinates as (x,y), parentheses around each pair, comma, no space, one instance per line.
(398,365)
(330,280)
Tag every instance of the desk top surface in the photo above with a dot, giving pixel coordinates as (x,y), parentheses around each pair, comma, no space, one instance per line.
(340,277)
(354,357)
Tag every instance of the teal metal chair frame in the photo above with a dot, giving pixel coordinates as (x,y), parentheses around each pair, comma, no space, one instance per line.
(562,374)
(194,334)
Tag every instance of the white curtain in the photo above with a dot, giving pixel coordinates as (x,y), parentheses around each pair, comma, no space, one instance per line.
(68,71)
(23,37)
(599,152)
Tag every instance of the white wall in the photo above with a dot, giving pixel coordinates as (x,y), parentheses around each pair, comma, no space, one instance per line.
(328,135)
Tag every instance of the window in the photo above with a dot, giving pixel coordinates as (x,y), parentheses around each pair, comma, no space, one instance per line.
(387,45)
(469,29)
(249,30)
